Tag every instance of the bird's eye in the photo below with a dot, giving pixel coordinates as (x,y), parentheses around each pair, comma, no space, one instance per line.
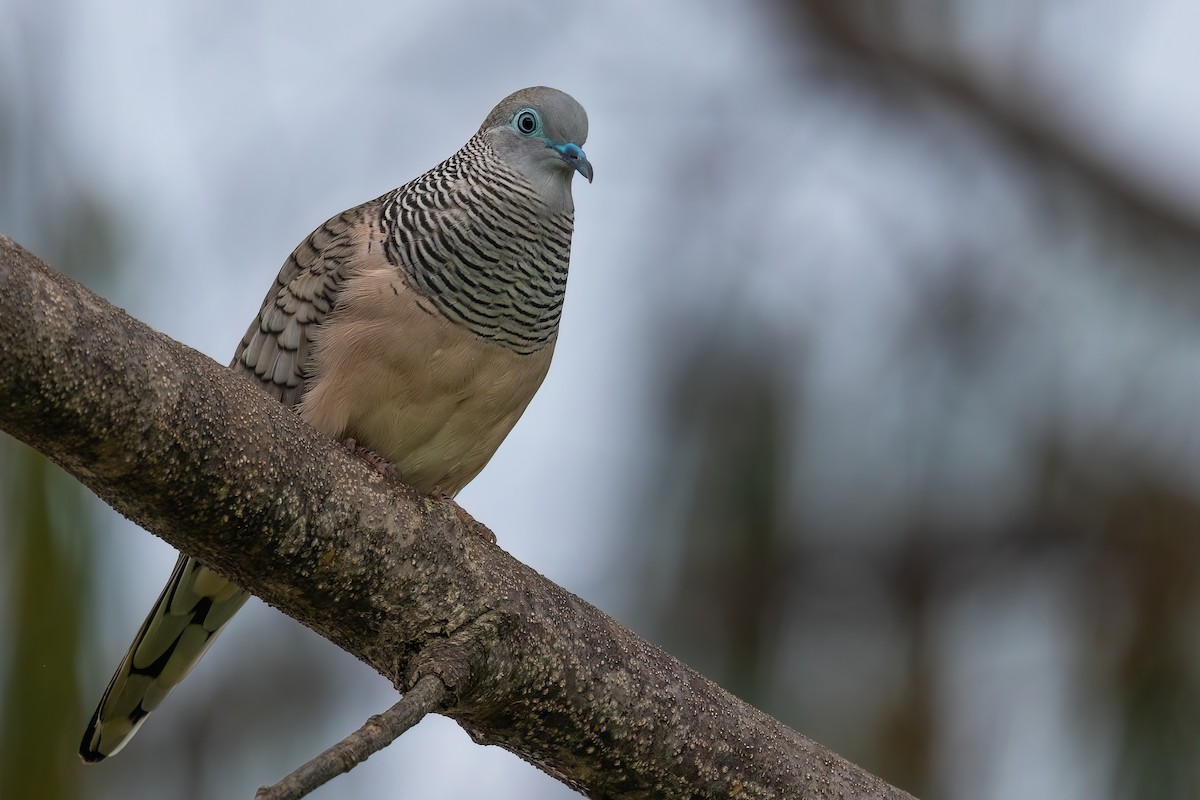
(526,121)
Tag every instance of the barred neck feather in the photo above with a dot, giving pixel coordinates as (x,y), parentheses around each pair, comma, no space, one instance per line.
(477,240)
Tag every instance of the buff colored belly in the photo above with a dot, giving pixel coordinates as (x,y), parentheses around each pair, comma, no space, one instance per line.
(424,393)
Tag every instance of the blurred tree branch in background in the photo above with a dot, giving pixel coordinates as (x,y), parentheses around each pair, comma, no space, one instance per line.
(46,569)
(1019,539)
(904,51)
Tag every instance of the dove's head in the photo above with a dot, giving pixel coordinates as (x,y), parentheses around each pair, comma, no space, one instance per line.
(540,132)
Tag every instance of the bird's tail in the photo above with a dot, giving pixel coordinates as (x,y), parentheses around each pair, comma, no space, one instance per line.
(193,607)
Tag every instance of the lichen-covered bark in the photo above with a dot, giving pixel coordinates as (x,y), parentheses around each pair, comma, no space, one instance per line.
(203,459)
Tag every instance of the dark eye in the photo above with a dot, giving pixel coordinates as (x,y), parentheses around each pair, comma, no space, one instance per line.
(526,121)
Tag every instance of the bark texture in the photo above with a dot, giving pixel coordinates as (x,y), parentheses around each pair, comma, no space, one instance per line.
(201,458)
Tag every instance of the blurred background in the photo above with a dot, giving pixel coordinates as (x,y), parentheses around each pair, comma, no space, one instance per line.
(874,397)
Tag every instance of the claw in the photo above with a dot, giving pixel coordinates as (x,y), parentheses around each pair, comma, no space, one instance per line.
(377,462)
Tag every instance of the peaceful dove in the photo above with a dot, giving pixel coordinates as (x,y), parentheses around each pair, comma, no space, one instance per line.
(418,324)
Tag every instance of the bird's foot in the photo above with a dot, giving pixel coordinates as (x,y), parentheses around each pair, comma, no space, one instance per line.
(377,462)
(472,524)
(476,527)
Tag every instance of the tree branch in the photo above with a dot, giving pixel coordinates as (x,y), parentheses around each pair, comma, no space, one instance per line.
(378,732)
(203,459)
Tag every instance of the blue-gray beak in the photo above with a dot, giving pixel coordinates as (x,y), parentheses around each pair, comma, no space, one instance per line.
(573,154)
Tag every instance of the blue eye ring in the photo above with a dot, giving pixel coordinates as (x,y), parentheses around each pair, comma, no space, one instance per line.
(527,122)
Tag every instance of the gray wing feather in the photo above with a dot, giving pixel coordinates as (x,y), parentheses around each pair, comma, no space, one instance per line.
(196,602)
(276,349)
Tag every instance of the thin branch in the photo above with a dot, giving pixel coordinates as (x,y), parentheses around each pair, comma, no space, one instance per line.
(377,733)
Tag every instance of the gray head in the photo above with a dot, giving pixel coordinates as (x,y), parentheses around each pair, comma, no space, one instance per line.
(540,132)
